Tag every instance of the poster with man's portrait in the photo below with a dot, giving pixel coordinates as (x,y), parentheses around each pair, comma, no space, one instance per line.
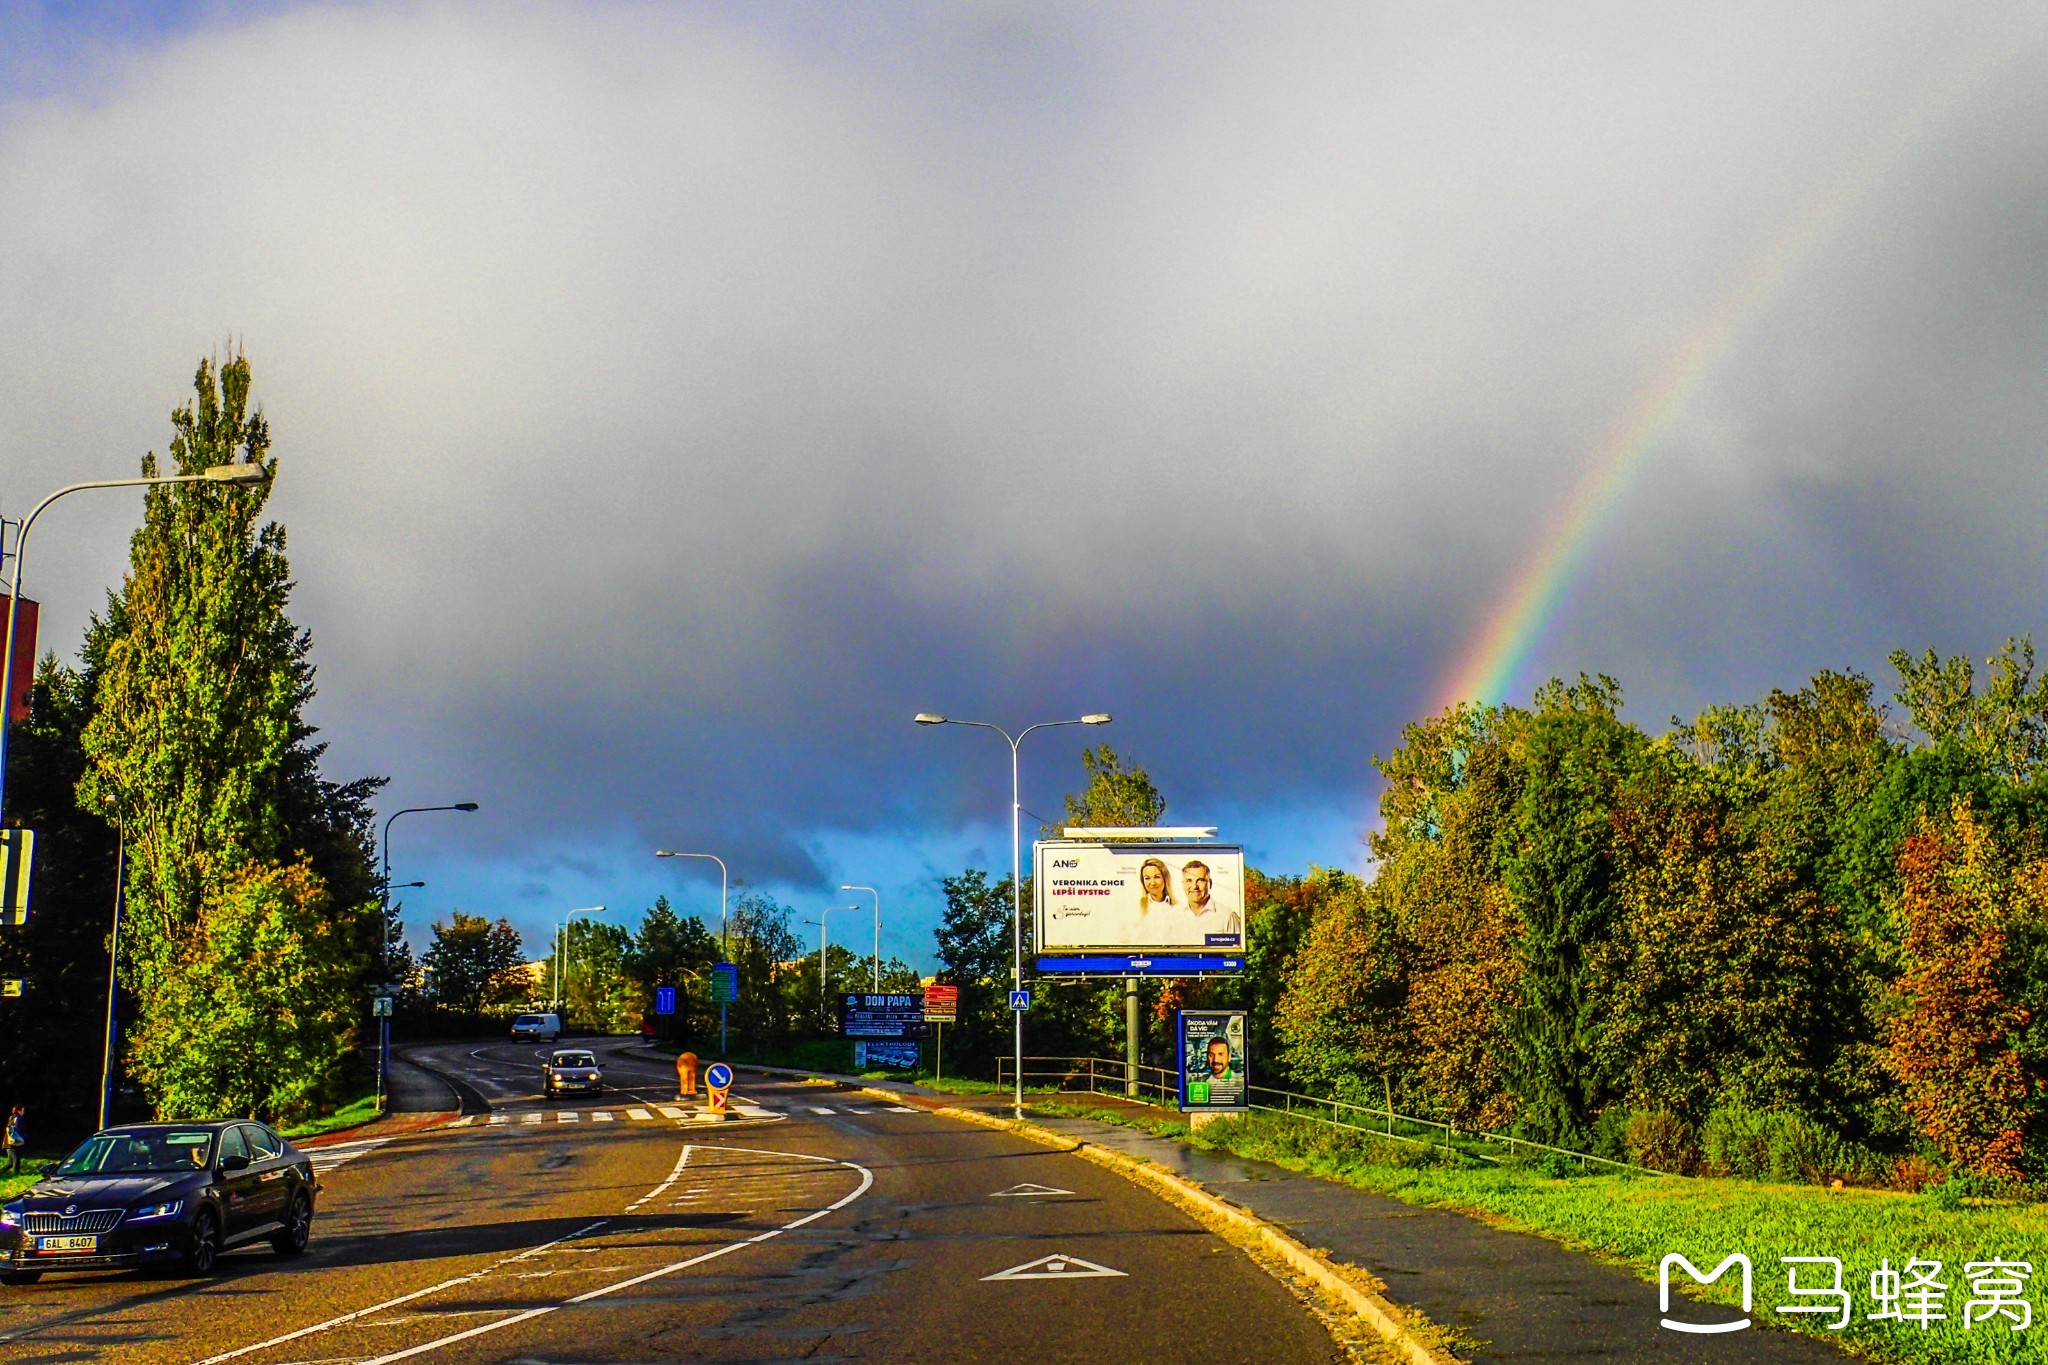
(1213,1065)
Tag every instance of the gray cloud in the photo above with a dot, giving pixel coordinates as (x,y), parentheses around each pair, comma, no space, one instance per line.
(673,401)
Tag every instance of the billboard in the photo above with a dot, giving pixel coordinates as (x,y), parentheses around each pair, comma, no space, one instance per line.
(1121,898)
(1214,1070)
(865,1014)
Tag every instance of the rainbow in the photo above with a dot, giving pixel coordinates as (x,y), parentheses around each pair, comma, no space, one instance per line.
(1494,665)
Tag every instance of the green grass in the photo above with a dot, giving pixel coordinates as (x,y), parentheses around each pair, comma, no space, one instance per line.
(1633,1221)
(31,1172)
(358,1111)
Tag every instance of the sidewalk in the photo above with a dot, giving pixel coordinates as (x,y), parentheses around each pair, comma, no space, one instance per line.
(1508,1296)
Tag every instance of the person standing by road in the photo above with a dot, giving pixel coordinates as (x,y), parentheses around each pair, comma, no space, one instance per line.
(16,1139)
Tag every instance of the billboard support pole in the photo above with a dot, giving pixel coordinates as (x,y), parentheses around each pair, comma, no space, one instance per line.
(1131,1036)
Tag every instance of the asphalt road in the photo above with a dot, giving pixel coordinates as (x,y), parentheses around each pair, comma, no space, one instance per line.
(823,1225)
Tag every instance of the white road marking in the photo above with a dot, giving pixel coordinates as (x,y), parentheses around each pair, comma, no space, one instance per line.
(681,1162)
(867,1181)
(904,1109)
(669,1111)
(534,1117)
(464,1121)
(402,1298)
(638,1114)
(1056,1267)
(326,1159)
(753,1111)
(600,1116)
(822,1109)
(1026,1190)
(499,1118)
(570,1117)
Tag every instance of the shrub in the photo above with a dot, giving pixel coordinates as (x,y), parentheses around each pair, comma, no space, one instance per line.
(1661,1140)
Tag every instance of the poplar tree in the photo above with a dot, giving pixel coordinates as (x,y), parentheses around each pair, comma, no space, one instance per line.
(198,753)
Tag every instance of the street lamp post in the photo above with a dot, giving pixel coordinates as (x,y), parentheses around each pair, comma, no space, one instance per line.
(878,930)
(384,934)
(723,956)
(231,475)
(1016,858)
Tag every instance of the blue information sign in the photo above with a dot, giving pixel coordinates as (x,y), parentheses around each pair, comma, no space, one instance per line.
(664,999)
(1020,1000)
(718,1076)
(725,983)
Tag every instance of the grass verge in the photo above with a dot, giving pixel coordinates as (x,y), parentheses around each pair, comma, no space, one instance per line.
(1633,1221)
(361,1110)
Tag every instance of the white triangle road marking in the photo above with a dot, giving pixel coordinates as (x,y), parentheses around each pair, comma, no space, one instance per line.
(1025,1190)
(1056,1267)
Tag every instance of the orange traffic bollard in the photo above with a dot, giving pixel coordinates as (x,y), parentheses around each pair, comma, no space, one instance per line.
(686,1076)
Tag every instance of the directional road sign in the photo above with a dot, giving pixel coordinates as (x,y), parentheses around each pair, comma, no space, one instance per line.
(664,999)
(381,1007)
(725,984)
(1020,1000)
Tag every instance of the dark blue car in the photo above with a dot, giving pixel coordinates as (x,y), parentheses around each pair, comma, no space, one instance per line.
(160,1193)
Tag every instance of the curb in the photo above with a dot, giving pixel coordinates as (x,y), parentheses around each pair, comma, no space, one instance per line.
(387,1125)
(1395,1325)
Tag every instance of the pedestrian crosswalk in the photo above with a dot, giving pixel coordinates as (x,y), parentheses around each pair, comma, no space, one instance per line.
(743,1108)
(326,1159)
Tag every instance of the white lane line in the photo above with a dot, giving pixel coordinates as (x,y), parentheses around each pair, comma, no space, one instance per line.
(638,1114)
(681,1162)
(600,1116)
(534,1117)
(499,1118)
(668,1111)
(903,1109)
(402,1298)
(570,1117)
(867,1180)
(821,1109)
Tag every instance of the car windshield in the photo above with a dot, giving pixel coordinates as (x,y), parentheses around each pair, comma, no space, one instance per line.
(526,1021)
(153,1153)
(574,1059)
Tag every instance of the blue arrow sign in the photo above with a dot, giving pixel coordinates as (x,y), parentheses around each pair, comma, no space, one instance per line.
(664,999)
(718,1076)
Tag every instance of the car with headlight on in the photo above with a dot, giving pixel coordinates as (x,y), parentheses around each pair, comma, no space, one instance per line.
(176,1194)
(572,1071)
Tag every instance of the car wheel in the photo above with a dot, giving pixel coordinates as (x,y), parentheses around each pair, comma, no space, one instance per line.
(298,1227)
(21,1277)
(204,1248)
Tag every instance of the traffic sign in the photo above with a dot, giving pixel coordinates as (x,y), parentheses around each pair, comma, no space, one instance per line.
(717,1081)
(664,999)
(382,1007)
(941,1004)
(1020,1000)
(17,852)
(11,987)
(725,983)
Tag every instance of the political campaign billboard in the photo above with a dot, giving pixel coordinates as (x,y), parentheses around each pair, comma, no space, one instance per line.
(1214,1073)
(1123,898)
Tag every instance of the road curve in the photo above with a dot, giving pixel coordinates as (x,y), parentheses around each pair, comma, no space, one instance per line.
(822,1225)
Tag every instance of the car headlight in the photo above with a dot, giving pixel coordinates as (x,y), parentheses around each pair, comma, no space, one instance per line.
(167,1209)
(10,1216)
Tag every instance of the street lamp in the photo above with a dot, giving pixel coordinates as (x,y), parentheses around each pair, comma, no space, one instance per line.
(384,877)
(562,974)
(229,475)
(1016,856)
(723,956)
(878,930)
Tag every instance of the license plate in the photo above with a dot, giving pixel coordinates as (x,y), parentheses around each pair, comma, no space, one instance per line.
(67,1244)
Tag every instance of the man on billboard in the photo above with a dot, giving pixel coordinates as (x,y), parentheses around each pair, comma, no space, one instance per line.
(1210,918)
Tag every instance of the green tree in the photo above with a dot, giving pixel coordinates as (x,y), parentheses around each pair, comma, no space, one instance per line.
(600,993)
(1118,793)
(974,954)
(197,748)
(669,950)
(475,965)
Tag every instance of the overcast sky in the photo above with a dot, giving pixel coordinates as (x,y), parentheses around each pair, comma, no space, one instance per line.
(673,399)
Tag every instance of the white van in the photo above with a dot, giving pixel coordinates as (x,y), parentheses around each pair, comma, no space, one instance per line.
(542,1027)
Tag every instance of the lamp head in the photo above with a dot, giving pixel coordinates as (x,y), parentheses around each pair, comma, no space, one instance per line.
(238,475)
(1098,718)
(466,806)
(663,853)
(930,718)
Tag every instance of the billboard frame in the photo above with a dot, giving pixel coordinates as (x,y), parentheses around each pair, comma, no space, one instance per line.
(1161,963)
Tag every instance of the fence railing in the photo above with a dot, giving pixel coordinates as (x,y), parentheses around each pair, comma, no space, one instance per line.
(1102,1076)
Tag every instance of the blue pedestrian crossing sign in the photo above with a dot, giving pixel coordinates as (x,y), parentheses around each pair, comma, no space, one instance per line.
(1020,1000)
(718,1076)
(664,999)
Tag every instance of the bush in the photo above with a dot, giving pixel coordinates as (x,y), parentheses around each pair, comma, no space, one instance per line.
(1784,1145)
(1661,1140)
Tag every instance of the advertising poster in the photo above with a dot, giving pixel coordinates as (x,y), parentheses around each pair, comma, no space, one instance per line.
(1117,898)
(1213,1067)
(863,1014)
(877,1054)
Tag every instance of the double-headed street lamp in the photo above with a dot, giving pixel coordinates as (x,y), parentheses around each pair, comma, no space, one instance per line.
(230,475)
(723,955)
(878,929)
(1016,857)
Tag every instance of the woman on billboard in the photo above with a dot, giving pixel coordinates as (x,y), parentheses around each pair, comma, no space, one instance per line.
(1158,884)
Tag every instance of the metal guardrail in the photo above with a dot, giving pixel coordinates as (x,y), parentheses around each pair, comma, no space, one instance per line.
(1101,1076)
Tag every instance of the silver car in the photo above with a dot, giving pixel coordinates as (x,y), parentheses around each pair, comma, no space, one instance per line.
(572,1071)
